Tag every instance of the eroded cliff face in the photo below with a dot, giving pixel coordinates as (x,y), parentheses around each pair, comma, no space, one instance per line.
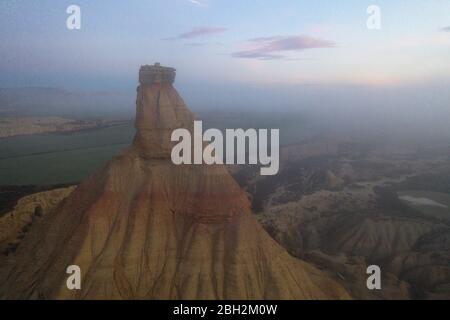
(143,228)
(159,111)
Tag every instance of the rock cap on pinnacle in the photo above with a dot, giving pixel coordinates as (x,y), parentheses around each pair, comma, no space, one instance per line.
(159,111)
(151,74)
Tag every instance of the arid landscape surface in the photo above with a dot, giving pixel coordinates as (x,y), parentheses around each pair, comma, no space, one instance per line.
(344,206)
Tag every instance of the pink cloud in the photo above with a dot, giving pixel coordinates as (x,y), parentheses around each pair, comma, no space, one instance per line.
(266,48)
(199,32)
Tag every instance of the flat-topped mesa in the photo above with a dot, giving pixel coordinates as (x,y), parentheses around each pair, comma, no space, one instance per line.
(159,111)
(151,74)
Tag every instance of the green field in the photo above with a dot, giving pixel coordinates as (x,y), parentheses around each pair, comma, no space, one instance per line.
(47,159)
(59,158)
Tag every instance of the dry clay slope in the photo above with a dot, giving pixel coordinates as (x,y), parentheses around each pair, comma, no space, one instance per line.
(143,228)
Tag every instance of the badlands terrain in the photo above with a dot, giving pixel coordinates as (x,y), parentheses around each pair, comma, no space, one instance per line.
(344,206)
(337,205)
(143,228)
(341,201)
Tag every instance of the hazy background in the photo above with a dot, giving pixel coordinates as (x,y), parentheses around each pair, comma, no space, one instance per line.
(274,56)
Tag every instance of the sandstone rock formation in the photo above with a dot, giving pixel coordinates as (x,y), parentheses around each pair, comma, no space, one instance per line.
(143,228)
(28,210)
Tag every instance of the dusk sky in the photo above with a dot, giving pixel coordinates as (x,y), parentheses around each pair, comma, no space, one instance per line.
(269,43)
